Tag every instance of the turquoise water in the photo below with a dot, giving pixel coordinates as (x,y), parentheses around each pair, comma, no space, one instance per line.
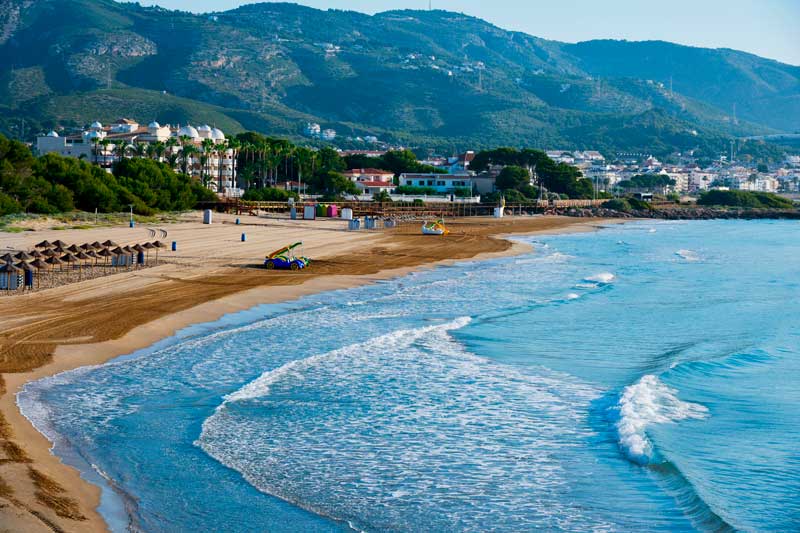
(645,377)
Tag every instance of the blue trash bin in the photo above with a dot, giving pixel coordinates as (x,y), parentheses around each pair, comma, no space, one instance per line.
(174,246)
(244,237)
(132,223)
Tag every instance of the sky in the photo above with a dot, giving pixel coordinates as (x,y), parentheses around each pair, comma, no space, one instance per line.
(769,28)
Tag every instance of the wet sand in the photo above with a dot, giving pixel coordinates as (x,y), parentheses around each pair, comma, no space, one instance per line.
(212,273)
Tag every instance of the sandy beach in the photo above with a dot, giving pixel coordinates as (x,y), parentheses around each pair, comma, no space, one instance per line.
(212,273)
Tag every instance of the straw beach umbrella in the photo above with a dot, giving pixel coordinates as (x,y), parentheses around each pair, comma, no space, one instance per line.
(44,244)
(59,244)
(158,244)
(97,245)
(49,252)
(105,253)
(73,249)
(39,265)
(69,258)
(7,258)
(24,256)
(54,260)
(59,249)
(36,254)
(109,243)
(81,256)
(148,246)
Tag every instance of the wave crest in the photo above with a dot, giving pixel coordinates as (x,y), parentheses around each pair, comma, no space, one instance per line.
(643,404)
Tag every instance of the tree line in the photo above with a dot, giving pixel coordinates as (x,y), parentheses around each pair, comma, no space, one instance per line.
(54,184)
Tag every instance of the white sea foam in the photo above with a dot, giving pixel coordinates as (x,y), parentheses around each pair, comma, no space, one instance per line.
(688,255)
(643,404)
(572,296)
(603,278)
(408,430)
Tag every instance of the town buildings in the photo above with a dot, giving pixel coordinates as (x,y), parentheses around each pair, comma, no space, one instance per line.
(203,152)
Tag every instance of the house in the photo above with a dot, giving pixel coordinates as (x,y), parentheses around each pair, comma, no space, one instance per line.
(441,183)
(370,174)
(374,187)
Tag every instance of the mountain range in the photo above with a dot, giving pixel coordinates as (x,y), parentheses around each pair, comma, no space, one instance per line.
(425,78)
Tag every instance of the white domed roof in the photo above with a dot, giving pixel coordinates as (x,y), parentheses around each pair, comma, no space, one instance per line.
(204,127)
(154,125)
(96,124)
(52,133)
(217,134)
(95,135)
(188,131)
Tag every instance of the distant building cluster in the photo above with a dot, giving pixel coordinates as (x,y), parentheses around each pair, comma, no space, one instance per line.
(203,151)
(315,131)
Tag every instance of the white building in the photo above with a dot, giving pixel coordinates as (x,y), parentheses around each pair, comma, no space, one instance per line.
(210,160)
(328,135)
(370,174)
(441,183)
(313,129)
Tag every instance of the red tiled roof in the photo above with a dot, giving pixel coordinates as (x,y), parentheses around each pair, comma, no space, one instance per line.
(375,184)
(368,171)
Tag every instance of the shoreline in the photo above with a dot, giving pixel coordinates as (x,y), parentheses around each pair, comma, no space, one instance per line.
(68,357)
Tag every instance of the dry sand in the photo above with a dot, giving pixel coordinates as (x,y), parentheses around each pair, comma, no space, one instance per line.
(211,274)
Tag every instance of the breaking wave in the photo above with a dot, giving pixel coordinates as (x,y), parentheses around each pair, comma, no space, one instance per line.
(643,404)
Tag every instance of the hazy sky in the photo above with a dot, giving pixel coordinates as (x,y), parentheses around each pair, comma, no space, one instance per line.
(769,28)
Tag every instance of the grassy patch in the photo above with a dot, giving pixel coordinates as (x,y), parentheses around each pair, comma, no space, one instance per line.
(5,489)
(14,453)
(48,493)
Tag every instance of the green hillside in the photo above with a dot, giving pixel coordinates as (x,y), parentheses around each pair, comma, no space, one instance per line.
(424,78)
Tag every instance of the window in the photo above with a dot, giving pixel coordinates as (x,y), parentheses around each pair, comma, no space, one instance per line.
(421,183)
(440,183)
(430,183)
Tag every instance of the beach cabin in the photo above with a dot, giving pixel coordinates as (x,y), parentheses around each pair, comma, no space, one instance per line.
(10,281)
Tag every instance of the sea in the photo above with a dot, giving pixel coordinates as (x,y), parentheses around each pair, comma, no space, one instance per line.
(642,377)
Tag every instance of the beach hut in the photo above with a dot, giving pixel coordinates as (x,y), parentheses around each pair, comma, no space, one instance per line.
(10,275)
(140,250)
(121,257)
(44,244)
(27,274)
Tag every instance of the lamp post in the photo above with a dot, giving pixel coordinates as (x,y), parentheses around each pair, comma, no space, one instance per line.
(131,221)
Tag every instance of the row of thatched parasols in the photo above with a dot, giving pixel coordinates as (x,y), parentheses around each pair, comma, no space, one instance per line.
(47,255)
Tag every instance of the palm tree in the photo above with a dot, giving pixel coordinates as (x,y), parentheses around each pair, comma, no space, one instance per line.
(119,150)
(220,150)
(205,158)
(186,155)
(172,152)
(95,142)
(104,143)
(141,149)
(158,149)
(185,141)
